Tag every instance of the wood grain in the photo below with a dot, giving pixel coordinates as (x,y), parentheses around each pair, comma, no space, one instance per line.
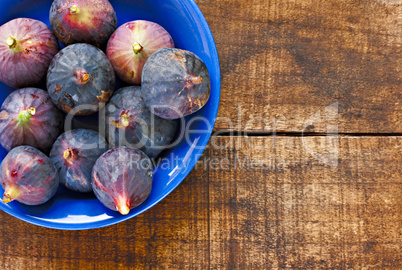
(251,203)
(285,62)
(332,202)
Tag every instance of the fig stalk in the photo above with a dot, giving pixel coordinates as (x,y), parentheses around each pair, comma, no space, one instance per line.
(125,120)
(137,48)
(196,80)
(74,9)
(26,114)
(11,42)
(124,209)
(10,194)
(85,78)
(68,155)
(81,76)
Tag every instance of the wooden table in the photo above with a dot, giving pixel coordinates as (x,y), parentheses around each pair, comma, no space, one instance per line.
(312,178)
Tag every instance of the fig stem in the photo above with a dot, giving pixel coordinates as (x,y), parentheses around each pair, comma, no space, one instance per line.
(85,78)
(68,155)
(124,209)
(81,76)
(6,198)
(11,42)
(26,114)
(137,47)
(10,194)
(74,9)
(196,80)
(125,122)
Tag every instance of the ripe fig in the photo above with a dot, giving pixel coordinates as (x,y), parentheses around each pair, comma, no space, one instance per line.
(28,176)
(122,178)
(83,21)
(130,123)
(74,154)
(131,45)
(26,48)
(29,117)
(175,83)
(80,78)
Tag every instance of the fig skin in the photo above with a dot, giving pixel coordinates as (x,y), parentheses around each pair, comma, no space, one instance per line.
(122,178)
(29,117)
(28,176)
(80,74)
(130,123)
(175,83)
(132,44)
(74,154)
(83,21)
(26,48)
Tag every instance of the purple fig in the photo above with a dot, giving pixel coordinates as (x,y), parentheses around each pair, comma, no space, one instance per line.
(28,176)
(175,83)
(131,45)
(130,123)
(26,48)
(80,78)
(74,154)
(83,21)
(122,178)
(29,117)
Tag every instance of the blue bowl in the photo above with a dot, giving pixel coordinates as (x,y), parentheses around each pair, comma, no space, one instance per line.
(69,210)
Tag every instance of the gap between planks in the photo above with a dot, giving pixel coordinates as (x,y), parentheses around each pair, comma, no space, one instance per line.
(301,134)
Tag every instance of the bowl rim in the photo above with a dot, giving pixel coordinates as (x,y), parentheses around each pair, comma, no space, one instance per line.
(109,222)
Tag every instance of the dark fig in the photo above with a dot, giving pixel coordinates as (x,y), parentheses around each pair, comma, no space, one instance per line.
(26,48)
(130,123)
(29,117)
(83,21)
(80,78)
(175,83)
(74,154)
(28,176)
(122,178)
(131,45)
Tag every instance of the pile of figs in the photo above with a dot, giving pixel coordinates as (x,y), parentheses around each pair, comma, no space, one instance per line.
(161,85)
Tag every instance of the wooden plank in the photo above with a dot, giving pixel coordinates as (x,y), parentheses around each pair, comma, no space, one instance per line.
(174,234)
(308,203)
(288,61)
(251,203)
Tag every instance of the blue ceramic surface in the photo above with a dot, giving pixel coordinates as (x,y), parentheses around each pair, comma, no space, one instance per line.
(183,19)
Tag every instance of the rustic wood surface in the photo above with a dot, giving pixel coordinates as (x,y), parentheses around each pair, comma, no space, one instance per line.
(299,200)
(287,207)
(286,60)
